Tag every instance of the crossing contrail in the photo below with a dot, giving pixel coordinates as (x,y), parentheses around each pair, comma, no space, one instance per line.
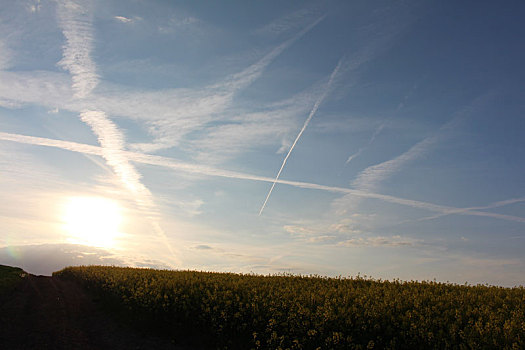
(310,116)
(211,171)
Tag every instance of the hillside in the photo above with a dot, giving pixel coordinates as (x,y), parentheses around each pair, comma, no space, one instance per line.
(39,312)
(9,278)
(297,312)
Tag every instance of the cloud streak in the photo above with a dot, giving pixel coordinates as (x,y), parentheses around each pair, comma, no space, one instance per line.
(370,141)
(374,46)
(112,141)
(380,241)
(307,121)
(5,55)
(369,178)
(123,19)
(75,21)
(249,75)
(212,171)
(170,115)
(380,128)
(483,207)
(288,22)
(215,99)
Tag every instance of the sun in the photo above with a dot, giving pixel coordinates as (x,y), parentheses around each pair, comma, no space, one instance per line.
(92,221)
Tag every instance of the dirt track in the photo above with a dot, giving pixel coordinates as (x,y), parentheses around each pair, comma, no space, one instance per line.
(49,313)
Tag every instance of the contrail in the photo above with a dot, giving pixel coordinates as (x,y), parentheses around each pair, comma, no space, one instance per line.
(370,141)
(469,209)
(310,116)
(250,74)
(75,20)
(211,171)
(354,155)
(381,126)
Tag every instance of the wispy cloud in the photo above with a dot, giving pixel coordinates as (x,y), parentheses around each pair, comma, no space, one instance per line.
(194,109)
(112,141)
(318,232)
(379,241)
(307,121)
(343,227)
(370,178)
(75,20)
(497,204)
(376,44)
(381,126)
(168,115)
(202,247)
(5,55)
(352,156)
(249,75)
(123,19)
(246,131)
(212,171)
(292,21)
(211,100)
(321,239)
(130,20)
(370,141)
(177,23)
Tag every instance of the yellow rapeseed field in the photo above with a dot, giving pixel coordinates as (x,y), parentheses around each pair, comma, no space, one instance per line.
(313,312)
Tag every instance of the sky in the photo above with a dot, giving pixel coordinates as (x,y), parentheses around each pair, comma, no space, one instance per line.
(336,138)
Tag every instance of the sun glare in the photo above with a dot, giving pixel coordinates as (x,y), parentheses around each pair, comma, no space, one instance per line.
(92,221)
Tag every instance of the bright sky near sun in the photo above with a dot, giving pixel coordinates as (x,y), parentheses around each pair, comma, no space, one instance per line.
(326,137)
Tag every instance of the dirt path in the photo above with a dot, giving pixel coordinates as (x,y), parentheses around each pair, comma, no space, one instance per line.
(49,313)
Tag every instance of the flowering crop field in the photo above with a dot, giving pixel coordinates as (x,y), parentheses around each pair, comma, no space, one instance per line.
(237,311)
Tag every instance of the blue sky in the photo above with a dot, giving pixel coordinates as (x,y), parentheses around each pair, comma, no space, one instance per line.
(327,137)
